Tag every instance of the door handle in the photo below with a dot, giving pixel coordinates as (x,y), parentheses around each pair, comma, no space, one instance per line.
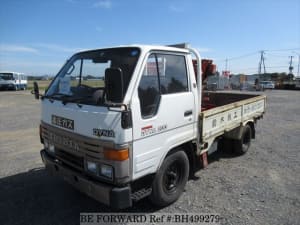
(188,113)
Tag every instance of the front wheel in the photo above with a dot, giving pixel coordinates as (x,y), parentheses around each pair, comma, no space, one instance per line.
(170,180)
(242,145)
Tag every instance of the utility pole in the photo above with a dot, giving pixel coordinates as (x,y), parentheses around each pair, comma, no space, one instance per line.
(262,63)
(298,70)
(291,75)
(225,72)
(298,65)
(291,65)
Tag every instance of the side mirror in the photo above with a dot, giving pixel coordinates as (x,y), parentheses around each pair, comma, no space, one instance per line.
(36,90)
(114,85)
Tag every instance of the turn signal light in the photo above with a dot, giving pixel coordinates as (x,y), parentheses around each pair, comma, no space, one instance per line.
(116,154)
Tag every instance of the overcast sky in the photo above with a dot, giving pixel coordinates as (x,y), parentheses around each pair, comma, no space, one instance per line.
(36,37)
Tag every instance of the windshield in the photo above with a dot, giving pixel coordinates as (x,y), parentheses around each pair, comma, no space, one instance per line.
(6,76)
(81,80)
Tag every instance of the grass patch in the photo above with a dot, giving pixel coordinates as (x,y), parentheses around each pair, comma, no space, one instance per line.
(43,84)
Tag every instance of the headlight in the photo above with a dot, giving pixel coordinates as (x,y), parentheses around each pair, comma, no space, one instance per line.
(91,167)
(106,171)
(46,145)
(99,169)
(51,148)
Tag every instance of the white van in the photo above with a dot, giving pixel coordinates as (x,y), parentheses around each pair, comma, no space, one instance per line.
(267,85)
(13,81)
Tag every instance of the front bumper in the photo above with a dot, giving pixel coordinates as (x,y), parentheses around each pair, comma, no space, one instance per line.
(7,86)
(115,197)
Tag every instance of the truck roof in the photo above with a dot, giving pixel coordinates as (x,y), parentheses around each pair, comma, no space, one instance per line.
(146,48)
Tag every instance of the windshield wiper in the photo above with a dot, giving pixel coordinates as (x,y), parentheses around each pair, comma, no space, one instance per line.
(75,99)
(67,98)
(56,96)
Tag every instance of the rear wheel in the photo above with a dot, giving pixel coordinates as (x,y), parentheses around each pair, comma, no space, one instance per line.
(170,180)
(225,145)
(242,145)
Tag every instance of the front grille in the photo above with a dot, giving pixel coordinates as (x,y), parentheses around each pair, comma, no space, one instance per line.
(71,148)
(65,141)
(69,158)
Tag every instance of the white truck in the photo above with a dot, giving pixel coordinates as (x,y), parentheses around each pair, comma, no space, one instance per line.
(142,126)
(12,81)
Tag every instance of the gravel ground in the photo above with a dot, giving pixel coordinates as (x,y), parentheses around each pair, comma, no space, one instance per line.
(261,187)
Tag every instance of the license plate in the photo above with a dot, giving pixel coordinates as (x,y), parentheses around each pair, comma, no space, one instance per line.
(62,122)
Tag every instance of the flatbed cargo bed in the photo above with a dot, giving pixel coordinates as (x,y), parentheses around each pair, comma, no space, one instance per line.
(228,111)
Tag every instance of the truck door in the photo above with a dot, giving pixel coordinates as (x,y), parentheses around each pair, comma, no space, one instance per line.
(163,111)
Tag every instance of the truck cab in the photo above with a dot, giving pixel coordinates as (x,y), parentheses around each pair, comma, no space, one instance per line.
(122,123)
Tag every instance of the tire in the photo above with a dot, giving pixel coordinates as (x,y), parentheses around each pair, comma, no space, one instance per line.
(170,180)
(225,145)
(241,146)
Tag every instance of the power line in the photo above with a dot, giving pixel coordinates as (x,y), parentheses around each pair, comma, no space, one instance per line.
(242,56)
(278,56)
(256,52)
(279,50)
(275,67)
(261,66)
(267,67)
(253,70)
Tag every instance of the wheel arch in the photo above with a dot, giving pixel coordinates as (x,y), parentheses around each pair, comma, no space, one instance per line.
(190,150)
(251,124)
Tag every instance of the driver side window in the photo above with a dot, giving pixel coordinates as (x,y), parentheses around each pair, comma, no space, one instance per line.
(148,89)
(164,74)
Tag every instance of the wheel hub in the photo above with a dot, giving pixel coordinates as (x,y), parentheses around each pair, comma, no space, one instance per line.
(171,178)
